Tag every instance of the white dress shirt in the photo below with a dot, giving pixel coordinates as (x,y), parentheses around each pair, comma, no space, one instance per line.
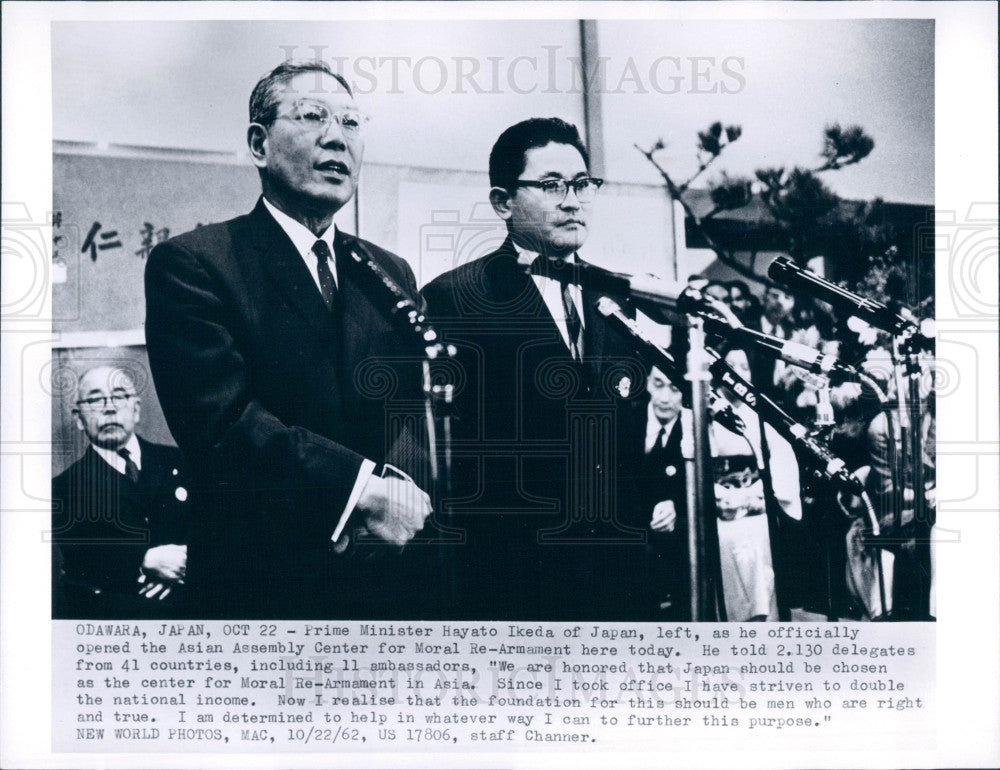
(551,291)
(653,426)
(303,239)
(115,460)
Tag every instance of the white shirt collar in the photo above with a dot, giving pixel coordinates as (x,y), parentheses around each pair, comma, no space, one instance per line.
(551,292)
(303,239)
(115,460)
(527,256)
(653,426)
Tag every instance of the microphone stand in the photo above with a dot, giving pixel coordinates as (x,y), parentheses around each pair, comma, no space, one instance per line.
(904,422)
(410,320)
(707,597)
(706,604)
(906,346)
(438,396)
(705,568)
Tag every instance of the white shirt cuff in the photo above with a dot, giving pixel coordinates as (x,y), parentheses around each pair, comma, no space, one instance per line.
(364,473)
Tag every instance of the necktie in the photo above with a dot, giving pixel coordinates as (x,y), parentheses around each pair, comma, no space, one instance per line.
(656,458)
(131,469)
(327,286)
(573,325)
(657,448)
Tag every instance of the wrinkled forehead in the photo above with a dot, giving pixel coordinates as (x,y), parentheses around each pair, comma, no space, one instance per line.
(316,87)
(106,380)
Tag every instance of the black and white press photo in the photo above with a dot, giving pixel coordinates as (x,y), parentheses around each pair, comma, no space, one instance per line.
(465,384)
(385,282)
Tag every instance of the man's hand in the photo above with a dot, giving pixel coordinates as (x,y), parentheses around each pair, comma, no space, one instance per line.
(393,509)
(166,562)
(153,588)
(664,517)
(162,567)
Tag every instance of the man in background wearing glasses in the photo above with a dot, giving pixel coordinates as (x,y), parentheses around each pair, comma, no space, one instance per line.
(543,448)
(119,513)
(268,350)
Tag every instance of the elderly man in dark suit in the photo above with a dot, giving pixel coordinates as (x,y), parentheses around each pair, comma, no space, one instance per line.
(119,513)
(547,398)
(269,352)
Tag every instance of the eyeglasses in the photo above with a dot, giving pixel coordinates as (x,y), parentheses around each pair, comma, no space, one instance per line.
(585,187)
(118,401)
(316,116)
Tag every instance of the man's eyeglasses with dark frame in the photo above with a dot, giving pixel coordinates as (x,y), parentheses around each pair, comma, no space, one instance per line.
(584,187)
(95,403)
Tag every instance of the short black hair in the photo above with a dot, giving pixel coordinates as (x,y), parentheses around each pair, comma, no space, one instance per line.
(265,96)
(507,156)
(741,285)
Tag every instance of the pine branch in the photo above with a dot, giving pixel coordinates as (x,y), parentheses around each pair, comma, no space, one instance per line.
(844,147)
(702,167)
(710,142)
(678,196)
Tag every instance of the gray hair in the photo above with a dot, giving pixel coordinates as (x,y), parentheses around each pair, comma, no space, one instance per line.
(266,94)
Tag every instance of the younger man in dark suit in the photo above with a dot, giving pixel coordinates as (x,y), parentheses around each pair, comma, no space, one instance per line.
(119,513)
(543,450)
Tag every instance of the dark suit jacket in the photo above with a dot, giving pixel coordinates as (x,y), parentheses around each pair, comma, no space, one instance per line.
(102,526)
(543,456)
(276,402)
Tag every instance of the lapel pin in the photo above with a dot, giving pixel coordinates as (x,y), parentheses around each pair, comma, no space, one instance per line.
(624,387)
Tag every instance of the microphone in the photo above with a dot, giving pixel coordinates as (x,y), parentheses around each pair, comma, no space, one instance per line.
(644,288)
(720,320)
(785,271)
(403,311)
(722,411)
(800,355)
(794,353)
(819,457)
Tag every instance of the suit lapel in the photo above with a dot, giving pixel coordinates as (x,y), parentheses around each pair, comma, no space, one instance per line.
(514,282)
(155,472)
(355,309)
(114,493)
(284,264)
(674,439)
(595,329)
(95,472)
(514,288)
(96,467)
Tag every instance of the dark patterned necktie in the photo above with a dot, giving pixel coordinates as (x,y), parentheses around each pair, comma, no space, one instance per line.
(574,327)
(131,469)
(327,286)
